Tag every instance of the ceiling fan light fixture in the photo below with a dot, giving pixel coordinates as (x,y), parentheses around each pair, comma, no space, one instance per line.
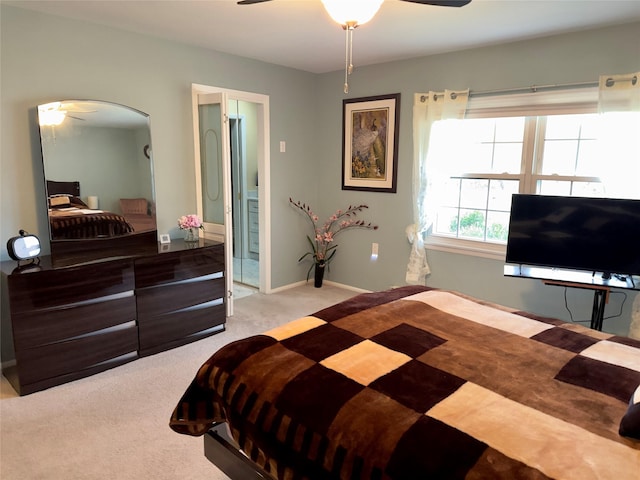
(50,114)
(352,12)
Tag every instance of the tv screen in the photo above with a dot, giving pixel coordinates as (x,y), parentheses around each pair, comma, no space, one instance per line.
(576,233)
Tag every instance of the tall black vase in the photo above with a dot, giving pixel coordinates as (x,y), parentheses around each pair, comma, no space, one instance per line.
(318,274)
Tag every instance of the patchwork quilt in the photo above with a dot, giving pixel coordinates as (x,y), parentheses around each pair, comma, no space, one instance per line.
(420,383)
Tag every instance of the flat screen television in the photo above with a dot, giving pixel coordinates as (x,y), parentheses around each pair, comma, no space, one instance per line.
(600,235)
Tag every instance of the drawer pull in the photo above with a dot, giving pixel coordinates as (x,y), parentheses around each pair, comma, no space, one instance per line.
(200,306)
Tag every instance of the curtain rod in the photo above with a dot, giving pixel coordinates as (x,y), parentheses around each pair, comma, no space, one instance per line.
(534,88)
(531,89)
(537,88)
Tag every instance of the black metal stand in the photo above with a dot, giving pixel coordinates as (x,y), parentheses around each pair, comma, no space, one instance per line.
(600,299)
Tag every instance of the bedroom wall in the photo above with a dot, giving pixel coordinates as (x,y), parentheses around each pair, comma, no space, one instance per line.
(42,60)
(571,58)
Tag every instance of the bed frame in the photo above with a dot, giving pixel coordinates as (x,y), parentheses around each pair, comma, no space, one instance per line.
(221,450)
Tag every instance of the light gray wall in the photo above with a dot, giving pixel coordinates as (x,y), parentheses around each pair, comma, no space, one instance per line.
(46,58)
(571,58)
(43,60)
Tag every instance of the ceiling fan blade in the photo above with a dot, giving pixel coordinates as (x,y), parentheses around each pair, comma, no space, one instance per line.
(441,3)
(251,2)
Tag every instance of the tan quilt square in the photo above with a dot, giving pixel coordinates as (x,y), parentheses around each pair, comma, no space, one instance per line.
(366,361)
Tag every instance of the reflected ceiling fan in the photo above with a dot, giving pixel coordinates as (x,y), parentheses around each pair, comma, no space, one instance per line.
(54,113)
(353,13)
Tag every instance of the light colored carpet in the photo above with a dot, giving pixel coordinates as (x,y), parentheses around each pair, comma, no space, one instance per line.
(114,425)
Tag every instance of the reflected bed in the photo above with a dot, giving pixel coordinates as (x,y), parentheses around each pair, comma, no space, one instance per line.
(421,383)
(71,218)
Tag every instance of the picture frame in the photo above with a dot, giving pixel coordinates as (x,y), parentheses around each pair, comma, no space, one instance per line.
(165,238)
(370,143)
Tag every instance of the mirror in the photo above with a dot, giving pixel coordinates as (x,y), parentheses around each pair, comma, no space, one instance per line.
(98,171)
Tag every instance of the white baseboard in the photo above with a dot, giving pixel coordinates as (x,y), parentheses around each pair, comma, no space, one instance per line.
(328,282)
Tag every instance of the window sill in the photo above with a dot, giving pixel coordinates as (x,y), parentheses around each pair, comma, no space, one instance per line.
(493,251)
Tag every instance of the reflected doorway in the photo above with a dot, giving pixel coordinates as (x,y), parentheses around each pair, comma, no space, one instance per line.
(244,193)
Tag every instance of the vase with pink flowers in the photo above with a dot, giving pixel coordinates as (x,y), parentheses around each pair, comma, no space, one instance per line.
(191,225)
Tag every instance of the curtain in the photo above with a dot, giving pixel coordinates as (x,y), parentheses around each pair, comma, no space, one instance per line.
(427,109)
(619,93)
(619,100)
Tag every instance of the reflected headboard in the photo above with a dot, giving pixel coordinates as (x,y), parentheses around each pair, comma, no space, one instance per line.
(58,188)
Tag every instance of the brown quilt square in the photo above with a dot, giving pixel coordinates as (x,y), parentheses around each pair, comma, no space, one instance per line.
(418,386)
(365,301)
(432,449)
(307,398)
(566,339)
(321,342)
(409,340)
(613,380)
(369,426)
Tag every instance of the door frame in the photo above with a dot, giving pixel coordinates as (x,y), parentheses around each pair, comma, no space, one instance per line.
(264,181)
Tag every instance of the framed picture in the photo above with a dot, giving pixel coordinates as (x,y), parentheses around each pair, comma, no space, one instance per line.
(370,143)
(164,238)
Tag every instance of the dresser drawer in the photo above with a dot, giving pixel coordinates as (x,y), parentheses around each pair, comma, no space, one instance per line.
(68,286)
(41,327)
(179,327)
(155,301)
(89,353)
(176,266)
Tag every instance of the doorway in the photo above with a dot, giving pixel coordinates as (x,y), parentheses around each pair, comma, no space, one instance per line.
(244,193)
(232,182)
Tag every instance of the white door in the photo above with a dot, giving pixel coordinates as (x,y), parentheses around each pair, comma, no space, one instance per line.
(213,165)
(213,168)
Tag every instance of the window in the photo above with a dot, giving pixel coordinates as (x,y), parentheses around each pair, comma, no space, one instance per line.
(475,165)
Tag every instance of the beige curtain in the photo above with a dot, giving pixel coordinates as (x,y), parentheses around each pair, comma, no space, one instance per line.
(427,109)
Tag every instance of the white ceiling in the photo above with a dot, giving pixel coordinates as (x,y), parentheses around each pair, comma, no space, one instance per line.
(299,33)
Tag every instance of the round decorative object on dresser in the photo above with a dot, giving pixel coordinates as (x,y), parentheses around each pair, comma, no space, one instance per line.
(23,247)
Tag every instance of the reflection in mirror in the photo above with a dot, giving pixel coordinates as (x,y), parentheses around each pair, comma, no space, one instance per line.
(98,170)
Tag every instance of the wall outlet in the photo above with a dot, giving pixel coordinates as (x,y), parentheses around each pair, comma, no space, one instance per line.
(283,146)
(374,251)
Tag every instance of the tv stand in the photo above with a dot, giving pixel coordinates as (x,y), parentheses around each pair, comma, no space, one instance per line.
(600,299)
(600,284)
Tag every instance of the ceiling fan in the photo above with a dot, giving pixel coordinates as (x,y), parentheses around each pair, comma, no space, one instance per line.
(353,13)
(441,3)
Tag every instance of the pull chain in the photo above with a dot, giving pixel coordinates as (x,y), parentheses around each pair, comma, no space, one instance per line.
(349,27)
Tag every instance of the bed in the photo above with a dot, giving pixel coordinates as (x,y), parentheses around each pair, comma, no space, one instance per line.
(418,383)
(71,218)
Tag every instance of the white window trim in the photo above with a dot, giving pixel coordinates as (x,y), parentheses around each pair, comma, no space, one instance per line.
(476,248)
(570,101)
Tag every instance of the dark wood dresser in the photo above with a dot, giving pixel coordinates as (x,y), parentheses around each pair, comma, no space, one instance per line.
(71,321)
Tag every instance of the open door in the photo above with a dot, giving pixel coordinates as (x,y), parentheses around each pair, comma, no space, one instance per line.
(213,169)
(219,191)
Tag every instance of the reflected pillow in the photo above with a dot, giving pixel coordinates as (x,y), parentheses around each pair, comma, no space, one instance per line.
(630,423)
(59,201)
(65,201)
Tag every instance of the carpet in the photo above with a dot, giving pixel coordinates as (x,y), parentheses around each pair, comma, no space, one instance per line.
(115,424)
